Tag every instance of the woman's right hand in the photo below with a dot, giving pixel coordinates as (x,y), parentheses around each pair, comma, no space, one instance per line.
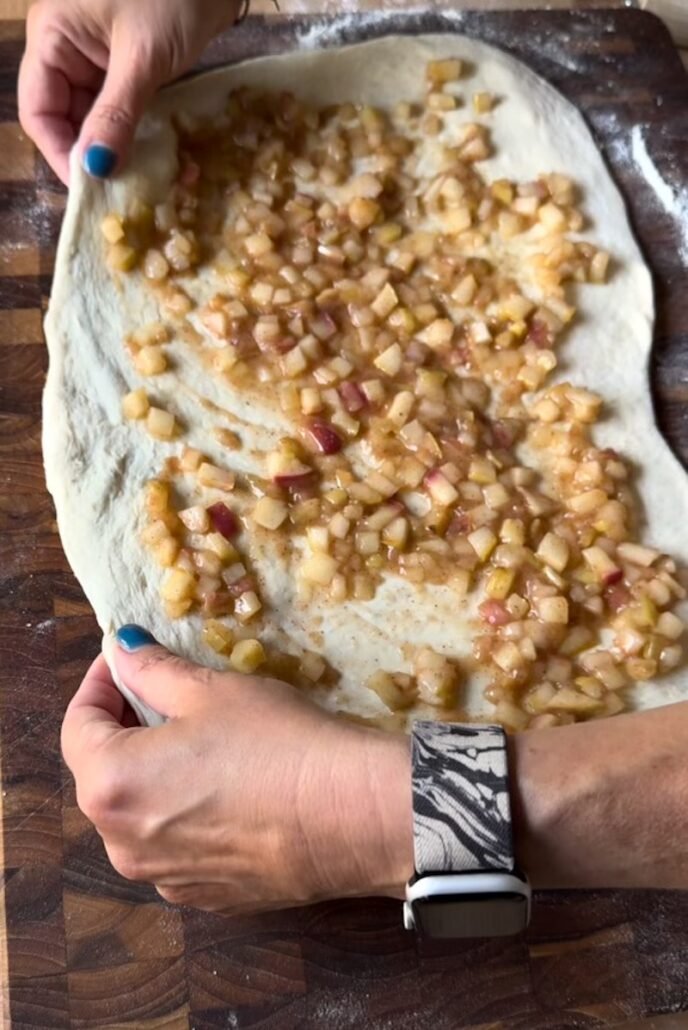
(90,67)
(248,797)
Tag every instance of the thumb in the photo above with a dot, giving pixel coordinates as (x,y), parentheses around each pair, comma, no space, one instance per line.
(108,130)
(162,680)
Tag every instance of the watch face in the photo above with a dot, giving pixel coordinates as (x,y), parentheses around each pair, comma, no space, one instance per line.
(471,915)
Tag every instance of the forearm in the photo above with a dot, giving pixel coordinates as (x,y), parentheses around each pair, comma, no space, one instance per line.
(604,804)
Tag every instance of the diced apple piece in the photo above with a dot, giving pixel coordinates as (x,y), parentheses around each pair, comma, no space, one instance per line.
(394,694)
(465,290)
(339,527)
(483,541)
(112,228)
(150,361)
(247,656)
(196,519)
(438,334)
(401,407)
(363,212)
(135,404)
(446,70)
(294,363)
(456,220)
(552,217)
(270,513)
(554,551)
(385,302)
(496,496)
(166,552)
(483,102)
(319,537)
(160,424)
(373,390)
(311,401)
(325,438)
(207,561)
(367,542)
(599,267)
(191,459)
(499,586)
(482,471)
(602,566)
(567,699)
(365,185)
(218,636)
(157,496)
(247,605)
(121,257)
(440,489)
(395,534)
(553,610)
(319,569)
(637,555)
(342,420)
(508,657)
(353,397)
(587,502)
(670,626)
(175,609)
(224,520)
(390,360)
(513,532)
(218,479)
(439,101)
(179,585)
(257,244)
(436,678)
(312,666)
(585,404)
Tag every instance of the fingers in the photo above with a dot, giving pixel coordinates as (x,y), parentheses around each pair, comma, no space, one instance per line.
(51,73)
(94,716)
(164,681)
(108,129)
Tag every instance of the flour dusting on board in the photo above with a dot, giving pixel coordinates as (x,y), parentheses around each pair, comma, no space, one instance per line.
(674,199)
(354,25)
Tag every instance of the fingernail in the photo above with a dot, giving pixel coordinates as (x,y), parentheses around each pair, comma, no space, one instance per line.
(131,637)
(100,160)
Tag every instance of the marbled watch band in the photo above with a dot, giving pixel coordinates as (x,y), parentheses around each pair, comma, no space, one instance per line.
(461,806)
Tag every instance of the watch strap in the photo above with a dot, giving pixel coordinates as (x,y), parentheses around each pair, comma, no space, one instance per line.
(461,805)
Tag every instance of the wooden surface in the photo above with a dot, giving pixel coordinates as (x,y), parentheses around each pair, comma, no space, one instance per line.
(79,946)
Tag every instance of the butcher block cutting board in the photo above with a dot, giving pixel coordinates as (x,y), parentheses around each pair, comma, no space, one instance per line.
(81,947)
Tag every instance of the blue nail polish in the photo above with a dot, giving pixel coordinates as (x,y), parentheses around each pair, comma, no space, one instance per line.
(133,637)
(100,161)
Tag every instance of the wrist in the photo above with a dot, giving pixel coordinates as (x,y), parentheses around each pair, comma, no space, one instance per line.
(360,839)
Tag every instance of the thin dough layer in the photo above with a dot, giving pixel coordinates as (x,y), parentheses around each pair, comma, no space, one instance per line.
(96,463)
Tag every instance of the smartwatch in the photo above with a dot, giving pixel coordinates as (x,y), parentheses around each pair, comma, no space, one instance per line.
(466,883)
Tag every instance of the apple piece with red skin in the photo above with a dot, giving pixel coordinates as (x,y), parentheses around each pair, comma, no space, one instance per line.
(540,334)
(353,397)
(242,586)
(219,602)
(224,520)
(440,489)
(326,439)
(617,596)
(287,472)
(612,578)
(494,613)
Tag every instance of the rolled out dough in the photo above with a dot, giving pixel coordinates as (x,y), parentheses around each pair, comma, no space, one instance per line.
(96,463)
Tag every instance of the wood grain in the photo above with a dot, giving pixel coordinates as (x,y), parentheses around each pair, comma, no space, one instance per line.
(79,946)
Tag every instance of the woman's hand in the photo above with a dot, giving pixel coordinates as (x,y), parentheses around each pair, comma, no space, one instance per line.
(90,67)
(249,796)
